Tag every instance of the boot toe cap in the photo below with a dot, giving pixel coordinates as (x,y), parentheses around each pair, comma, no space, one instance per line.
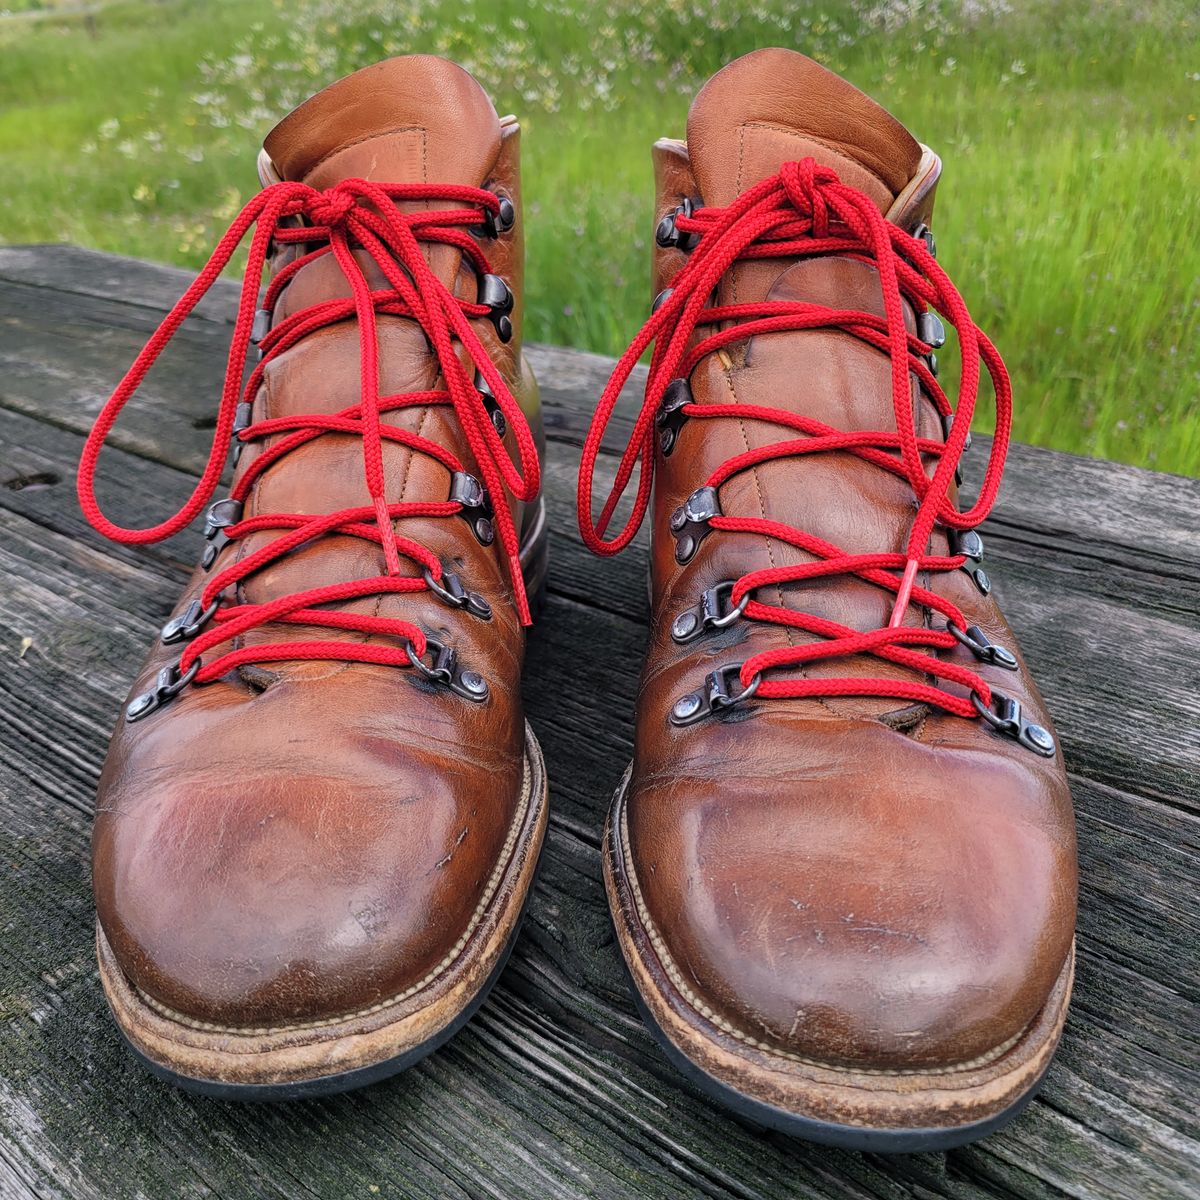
(874,931)
(283,898)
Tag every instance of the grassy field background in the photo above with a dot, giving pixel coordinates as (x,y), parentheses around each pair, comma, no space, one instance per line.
(1069,212)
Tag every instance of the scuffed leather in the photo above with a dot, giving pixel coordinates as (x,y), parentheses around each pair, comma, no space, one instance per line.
(854,881)
(307,839)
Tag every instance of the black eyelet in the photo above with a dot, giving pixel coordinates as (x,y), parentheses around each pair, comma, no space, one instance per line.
(451,590)
(476,506)
(497,223)
(931,330)
(968,543)
(661,299)
(668,234)
(690,522)
(498,297)
(947,420)
(711,612)
(243,418)
(261,326)
(444,669)
(670,416)
(189,623)
(167,685)
(219,517)
(924,234)
(716,696)
(495,412)
(983,648)
(1004,715)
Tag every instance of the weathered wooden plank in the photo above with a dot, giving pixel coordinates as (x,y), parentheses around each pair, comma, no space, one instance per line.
(556,1090)
(81,272)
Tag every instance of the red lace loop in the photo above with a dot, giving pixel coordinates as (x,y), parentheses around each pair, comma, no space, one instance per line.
(354,216)
(806,211)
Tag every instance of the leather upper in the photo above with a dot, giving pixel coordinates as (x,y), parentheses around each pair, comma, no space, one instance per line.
(852,880)
(303,839)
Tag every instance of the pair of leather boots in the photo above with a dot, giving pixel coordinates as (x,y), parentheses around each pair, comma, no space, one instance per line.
(841,865)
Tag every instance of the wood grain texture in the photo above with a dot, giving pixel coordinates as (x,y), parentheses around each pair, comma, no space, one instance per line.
(555,1090)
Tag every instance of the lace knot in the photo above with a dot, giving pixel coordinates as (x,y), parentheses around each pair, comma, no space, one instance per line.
(804,183)
(331,207)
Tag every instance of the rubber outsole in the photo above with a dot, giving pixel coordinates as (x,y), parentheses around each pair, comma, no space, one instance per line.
(825,1133)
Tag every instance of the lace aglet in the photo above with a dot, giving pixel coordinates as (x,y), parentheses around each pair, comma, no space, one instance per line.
(519,593)
(387,536)
(904,594)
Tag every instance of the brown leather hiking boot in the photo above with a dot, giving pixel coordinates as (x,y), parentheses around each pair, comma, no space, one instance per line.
(842,864)
(321,812)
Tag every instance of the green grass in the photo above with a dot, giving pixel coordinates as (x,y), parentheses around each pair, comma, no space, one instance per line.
(1069,211)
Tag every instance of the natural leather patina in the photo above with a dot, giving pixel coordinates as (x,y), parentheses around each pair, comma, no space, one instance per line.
(845,908)
(302,844)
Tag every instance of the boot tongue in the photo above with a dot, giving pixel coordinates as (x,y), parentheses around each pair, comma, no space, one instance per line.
(416,119)
(775,106)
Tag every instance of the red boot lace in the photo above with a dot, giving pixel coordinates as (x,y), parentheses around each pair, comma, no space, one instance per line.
(805,211)
(363,216)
